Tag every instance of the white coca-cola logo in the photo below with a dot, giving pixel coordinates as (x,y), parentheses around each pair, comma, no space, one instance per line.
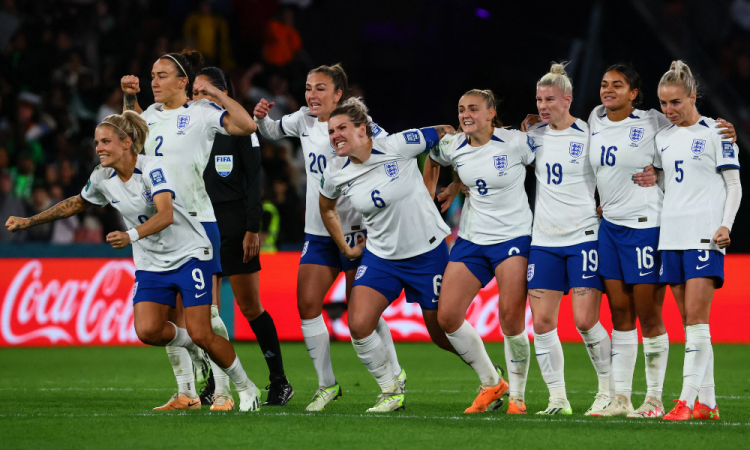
(72,311)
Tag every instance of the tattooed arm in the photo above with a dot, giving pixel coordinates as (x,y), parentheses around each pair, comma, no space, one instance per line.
(130,87)
(62,210)
(442,130)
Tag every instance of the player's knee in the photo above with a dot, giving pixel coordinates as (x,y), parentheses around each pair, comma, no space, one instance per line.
(360,328)
(544,324)
(651,325)
(449,321)
(149,334)
(251,310)
(201,337)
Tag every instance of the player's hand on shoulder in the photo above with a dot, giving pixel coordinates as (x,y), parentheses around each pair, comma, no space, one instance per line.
(16,224)
(726,130)
(529,121)
(356,251)
(647,178)
(721,238)
(442,130)
(118,239)
(262,108)
(130,84)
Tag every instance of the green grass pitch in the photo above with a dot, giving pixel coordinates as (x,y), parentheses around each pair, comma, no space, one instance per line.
(79,398)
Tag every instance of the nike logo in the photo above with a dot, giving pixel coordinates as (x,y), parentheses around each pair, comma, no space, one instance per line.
(115,201)
(662,150)
(199,296)
(435,300)
(367,364)
(459,165)
(644,274)
(152,123)
(542,354)
(650,354)
(517,361)
(191,404)
(613,354)
(594,134)
(701,267)
(311,349)
(691,351)
(462,354)
(590,276)
(305,135)
(350,184)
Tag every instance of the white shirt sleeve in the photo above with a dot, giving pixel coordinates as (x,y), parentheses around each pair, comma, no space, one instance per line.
(158,178)
(661,120)
(91,192)
(289,125)
(726,153)
(411,143)
(213,116)
(528,153)
(441,153)
(327,188)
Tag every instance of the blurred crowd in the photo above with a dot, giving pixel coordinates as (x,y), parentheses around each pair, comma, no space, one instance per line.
(60,66)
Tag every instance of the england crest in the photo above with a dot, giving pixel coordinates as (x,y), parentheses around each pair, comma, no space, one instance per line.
(530,272)
(147,196)
(636,134)
(182,123)
(576,149)
(391,169)
(501,162)
(699,146)
(360,272)
(224,164)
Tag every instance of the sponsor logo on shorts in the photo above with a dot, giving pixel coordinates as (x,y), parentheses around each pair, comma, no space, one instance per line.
(530,272)
(360,272)
(304,249)
(135,288)
(661,269)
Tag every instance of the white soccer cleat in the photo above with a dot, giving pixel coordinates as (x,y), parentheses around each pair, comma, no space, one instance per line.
(650,409)
(401,380)
(201,367)
(388,402)
(557,406)
(601,401)
(249,400)
(620,406)
(323,397)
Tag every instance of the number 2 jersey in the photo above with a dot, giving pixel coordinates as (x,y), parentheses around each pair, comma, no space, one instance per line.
(497,209)
(318,152)
(168,249)
(389,192)
(619,150)
(565,209)
(694,189)
(183,138)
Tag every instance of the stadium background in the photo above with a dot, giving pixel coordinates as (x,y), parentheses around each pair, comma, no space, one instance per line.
(61,62)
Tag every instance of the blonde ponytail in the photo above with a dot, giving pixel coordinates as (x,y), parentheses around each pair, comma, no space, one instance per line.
(128,125)
(679,74)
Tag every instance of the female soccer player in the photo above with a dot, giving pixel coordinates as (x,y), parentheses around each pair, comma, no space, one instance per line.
(494,240)
(564,249)
(701,197)
(321,261)
(406,236)
(182,133)
(234,183)
(171,250)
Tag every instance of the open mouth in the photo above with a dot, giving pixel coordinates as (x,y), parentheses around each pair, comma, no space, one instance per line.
(468,123)
(340,144)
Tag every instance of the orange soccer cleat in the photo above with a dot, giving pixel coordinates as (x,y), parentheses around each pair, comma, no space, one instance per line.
(487,395)
(681,411)
(180,401)
(516,406)
(703,412)
(222,403)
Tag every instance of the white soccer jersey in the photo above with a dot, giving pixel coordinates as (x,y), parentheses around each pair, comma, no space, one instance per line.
(183,137)
(318,151)
(618,151)
(565,209)
(497,209)
(694,189)
(168,249)
(389,192)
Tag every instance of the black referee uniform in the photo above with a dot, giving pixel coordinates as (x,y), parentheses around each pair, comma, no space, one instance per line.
(233,182)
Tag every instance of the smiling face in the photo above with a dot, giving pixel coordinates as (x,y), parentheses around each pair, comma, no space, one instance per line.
(321,94)
(166,85)
(109,147)
(552,103)
(676,104)
(346,138)
(474,115)
(615,91)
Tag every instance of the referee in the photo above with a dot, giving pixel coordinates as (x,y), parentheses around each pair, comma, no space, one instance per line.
(233,181)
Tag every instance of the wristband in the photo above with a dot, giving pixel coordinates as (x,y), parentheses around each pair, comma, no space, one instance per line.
(133,233)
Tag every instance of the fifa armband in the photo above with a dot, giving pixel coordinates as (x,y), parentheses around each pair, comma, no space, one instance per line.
(133,233)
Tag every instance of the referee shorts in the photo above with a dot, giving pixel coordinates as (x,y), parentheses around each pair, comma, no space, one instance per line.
(230,216)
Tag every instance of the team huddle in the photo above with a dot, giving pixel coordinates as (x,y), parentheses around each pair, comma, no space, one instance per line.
(668,191)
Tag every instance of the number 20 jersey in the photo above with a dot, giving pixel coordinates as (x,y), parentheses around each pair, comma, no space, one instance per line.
(618,151)
(565,209)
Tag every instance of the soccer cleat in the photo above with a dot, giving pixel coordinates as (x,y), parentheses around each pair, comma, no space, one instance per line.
(487,395)
(601,401)
(557,407)
(620,406)
(497,404)
(222,403)
(650,409)
(249,399)
(208,390)
(388,402)
(703,412)
(180,401)
(516,406)
(279,393)
(681,411)
(323,397)
(401,380)
(202,369)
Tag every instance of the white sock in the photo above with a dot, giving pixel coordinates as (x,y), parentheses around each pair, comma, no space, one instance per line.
(624,354)
(374,356)
(599,348)
(238,376)
(221,379)
(182,339)
(385,335)
(182,366)
(697,353)
(318,346)
(549,355)
(470,348)
(656,353)
(707,394)
(517,352)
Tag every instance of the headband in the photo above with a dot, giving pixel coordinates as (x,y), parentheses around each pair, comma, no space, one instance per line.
(110,123)
(176,62)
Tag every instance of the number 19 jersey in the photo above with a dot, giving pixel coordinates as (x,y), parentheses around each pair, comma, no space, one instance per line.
(565,209)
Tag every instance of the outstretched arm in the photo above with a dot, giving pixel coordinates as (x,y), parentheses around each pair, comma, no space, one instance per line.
(66,208)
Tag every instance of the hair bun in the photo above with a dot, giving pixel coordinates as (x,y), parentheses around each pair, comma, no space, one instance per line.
(558,68)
